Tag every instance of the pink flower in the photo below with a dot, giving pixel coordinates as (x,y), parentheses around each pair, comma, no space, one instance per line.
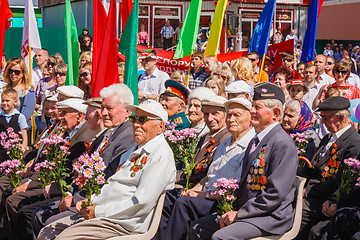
(99,167)
(81,181)
(230,197)
(76,167)
(88,173)
(100,179)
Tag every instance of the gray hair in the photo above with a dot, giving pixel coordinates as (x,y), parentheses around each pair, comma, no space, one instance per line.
(122,91)
(344,112)
(275,103)
(294,105)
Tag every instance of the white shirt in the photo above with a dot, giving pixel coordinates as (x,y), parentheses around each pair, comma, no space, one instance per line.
(333,139)
(153,84)
(326,78)
(130,201)
(36,76)
(313,92)
(228,160)
(353,80)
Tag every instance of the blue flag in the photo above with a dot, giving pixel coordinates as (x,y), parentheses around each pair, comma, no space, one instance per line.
(260,37)
(308,50)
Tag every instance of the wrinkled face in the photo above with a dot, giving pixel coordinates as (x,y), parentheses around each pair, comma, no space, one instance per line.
(300,70)
(8,102)
(16,74)
(290,119)
(213,86)
(196,62)
(237,119)
(261,115)
(330,120)
(171,104)
(280,80)
(148,130)
(41,58)
(85,76)
(195,113)
(50,110)
(309,74)
(70,118)
(112,111)
(148,64)
(92,117)
(297,92)
(214,118)
(60,78)
(320,64)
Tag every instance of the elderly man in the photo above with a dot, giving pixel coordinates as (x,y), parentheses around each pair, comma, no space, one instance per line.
(228,160)
(174,101)
(238,89)
(267,184)
(324,178)
(72,113)
(124,206)
(111,143)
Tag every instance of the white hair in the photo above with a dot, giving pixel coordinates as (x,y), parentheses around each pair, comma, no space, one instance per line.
(275,103)
(201,93)
(122,91)
(294,105)
(345,112)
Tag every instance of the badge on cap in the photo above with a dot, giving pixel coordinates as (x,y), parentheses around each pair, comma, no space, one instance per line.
(264,90)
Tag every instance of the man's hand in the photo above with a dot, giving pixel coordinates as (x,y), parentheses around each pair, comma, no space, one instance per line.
(46,191)
(228,218)
(21,188)
(27,170)
(65,204)
(329,208)
(88,212)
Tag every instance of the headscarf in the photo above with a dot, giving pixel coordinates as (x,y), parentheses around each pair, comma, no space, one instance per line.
(306,119)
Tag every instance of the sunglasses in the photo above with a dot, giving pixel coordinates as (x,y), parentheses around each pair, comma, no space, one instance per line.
(84,74)
(141,119)
(52,64)
(17,72)
(60,73)
(86,40)
(287,60)
(222,76)
(341,72)
(330,63)
(252,59)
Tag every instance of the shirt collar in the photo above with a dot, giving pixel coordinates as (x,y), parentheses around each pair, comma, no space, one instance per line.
(342,131)
(15,111)
(74,131)
(150,145)
(263,133)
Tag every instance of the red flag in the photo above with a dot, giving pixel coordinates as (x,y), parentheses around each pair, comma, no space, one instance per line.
(126,7)
(107,72)
(5,15)
(99,22)
(320,5)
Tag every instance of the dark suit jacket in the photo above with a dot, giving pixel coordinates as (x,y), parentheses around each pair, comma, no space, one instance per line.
(348,146)
(271,209)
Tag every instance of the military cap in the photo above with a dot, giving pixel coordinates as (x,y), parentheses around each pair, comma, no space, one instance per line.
(267,90)
(174,88)
(95,102)
(334,103)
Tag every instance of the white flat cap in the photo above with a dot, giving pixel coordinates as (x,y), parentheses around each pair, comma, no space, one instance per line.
(216,101)
(242,101)
(150,106)
(74,103)
(238,87)
(201,93)
(71,91)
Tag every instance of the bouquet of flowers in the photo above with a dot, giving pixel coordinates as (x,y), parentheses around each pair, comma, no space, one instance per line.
(350,178)
(54,167)
(12,168)
(300,142)
(183,144)
(225,189)
(90,175)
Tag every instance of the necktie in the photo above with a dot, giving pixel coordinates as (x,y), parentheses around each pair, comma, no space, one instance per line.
(254,144)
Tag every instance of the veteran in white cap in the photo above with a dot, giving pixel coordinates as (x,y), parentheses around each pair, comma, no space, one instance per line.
(238,89)
(126,204)
(65,92)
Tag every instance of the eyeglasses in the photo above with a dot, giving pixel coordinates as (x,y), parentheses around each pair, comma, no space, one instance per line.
(84,74)
(287,60)
(17,72)
(52,64)
(86,40)
(60,73)
(342,72)
(222,76)
(252,59)
(330,63)
(326,118)
(141,119)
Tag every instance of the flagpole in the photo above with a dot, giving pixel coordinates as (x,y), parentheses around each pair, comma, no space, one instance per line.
(188,76)
(262,66)
(30,61)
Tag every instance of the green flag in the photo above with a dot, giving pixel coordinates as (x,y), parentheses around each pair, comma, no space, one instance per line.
(72,43)
(128,46)
(189,31)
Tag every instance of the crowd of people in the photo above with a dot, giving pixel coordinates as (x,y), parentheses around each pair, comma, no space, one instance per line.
(244,116)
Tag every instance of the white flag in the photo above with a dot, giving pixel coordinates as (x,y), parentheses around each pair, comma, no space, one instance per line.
(30,36)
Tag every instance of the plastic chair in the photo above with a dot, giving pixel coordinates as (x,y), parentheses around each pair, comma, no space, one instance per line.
(293,232)
(154,223)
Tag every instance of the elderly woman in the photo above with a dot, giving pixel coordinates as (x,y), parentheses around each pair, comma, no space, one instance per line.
(298,118)
(195,114)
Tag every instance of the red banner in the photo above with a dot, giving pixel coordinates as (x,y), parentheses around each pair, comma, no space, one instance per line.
(167,64)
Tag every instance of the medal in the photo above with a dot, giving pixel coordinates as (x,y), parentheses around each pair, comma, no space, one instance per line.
(257,187)
(262,188)
(256,171)
(332,170)
(252,187)
(326,168)
(256,163)
(132,175)
(261,171)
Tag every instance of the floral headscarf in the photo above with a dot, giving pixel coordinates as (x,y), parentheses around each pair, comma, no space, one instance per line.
(306,119)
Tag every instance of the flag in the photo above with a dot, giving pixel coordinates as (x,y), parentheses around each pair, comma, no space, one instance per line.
(126,8)
(99,22)
(128,46)
(72,44)
(189,31)
(107,72)
(5,15)
(308,49)
(260,37)
(215,29)
(30,37)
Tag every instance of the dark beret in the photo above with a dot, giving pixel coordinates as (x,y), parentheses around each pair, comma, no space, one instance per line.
(267,90)
(333,103)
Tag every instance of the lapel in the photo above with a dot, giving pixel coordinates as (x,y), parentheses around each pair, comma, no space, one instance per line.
(74,140)
(339,142)
(97,141)
(114,135)
(249,158)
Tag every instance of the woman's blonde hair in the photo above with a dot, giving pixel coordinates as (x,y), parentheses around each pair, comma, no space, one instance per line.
(62,68)
(86,54)
(227,70)
(219,83)
(178,74)
(242,70)
(25,82)
(56,58)
(121,67)
(81,85)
